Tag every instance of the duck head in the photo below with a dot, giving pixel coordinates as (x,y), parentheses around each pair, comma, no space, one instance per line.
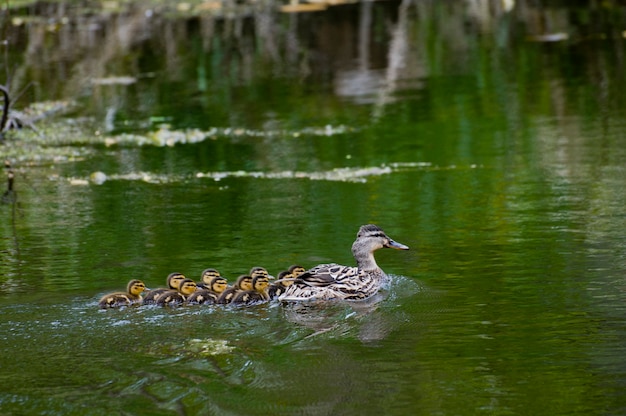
(218,284)
(174,279)
(259,271)
(296,270)
(244,282)
(285,278)
(187,287)
(208,275)
(260,283)
(135,287)
(373,237)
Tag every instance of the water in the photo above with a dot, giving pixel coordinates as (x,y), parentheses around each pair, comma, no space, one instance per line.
(499,160)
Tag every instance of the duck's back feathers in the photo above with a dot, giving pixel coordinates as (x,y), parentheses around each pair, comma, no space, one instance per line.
(332,282)
(176,297)
(201,297)
(170,298)
(152,296)
(173,282)
(326,274)
(131,296)
(115,300)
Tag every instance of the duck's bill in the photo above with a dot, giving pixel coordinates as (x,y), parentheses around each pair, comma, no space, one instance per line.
(396,245)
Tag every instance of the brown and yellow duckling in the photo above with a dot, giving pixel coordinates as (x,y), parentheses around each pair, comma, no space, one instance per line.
(131,296)
(257,294)
(173,281)
(296,270)
(284,279)
(260,271)
(216,287)
(207,277)
(244,282)
(177,297)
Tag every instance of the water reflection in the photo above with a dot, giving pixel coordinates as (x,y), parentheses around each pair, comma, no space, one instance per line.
(478,131)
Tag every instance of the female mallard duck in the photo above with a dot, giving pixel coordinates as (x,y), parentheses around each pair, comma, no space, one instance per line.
(173,281)
(177,297)
(217,285)
(131,296)
(336,282)
(284,279)
(244,282)
(257,294)
(207,276)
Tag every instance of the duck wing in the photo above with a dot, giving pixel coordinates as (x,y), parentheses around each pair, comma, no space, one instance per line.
(326,274)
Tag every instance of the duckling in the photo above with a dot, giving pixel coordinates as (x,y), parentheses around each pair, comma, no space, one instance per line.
(207,276)
(336,282)
(217,285)
(257,294)
(177,297)
(260,271)
(173,281)
(284,279)
(131,296)
(244,282)
(296,270)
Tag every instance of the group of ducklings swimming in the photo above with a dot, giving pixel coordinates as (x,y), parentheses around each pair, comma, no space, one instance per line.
(255,287)
(324,282)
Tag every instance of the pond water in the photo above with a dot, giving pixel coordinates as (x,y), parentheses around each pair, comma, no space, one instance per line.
(491,141)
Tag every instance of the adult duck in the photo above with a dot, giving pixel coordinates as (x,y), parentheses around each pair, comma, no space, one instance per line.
(337,282)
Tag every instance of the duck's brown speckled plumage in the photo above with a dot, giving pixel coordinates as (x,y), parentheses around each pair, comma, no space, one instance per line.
(173,281)
(216,286)
(337,282)
(257,294)
(177,297)
(130,297)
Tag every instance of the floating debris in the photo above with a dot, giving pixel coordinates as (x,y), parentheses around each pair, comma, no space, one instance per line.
(549,37)
(352,174)
(207,347)
(122,80)
(165,136)
(98,178)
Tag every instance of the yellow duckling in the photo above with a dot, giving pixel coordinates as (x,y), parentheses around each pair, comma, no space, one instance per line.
(173,281)
(131,296)
(284,279)
(244,282)
(260,271)
(207,276)
(177,297)
(257,294)
(217,286)
(296,270)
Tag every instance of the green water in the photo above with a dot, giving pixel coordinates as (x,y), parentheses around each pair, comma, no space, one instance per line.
(500,161)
